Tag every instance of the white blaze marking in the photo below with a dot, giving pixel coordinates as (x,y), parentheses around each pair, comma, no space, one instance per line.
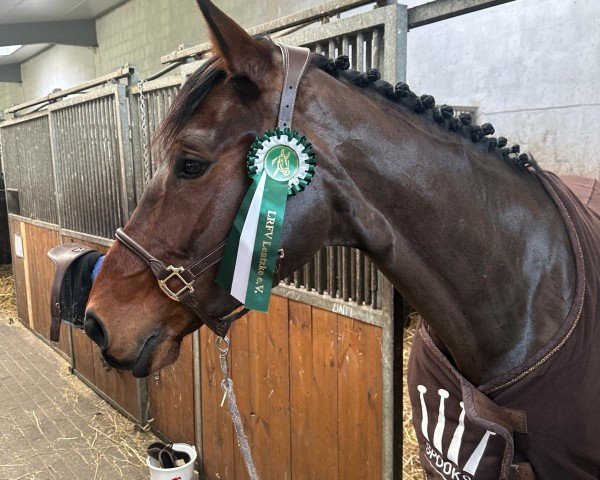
(473,462)
(457,438)
(424,422)
(441,421)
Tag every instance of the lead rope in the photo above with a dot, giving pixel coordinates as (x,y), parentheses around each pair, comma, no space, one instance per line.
(223,344)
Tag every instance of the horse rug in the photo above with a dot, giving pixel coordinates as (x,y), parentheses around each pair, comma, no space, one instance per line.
(542,419)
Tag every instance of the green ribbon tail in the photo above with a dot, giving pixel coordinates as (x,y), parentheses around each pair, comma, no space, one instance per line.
(266,245)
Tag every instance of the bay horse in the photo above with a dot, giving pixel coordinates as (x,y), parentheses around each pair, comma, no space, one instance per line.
(463,225)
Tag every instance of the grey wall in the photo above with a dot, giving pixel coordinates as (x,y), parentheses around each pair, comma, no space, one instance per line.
(530,66)
(58,67)
(10,93)
(141,31)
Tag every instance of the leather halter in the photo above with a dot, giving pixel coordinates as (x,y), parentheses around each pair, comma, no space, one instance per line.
(295,61)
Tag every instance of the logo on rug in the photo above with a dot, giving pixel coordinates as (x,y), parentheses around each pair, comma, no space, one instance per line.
(447,464)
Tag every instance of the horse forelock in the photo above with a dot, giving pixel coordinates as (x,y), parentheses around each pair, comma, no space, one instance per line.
(187,101)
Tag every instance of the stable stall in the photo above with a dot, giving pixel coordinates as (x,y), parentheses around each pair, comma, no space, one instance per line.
(314,376)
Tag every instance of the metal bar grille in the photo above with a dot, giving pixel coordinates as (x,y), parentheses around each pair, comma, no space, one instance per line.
(158,101)
(88,158)
(341,272)
(28,167)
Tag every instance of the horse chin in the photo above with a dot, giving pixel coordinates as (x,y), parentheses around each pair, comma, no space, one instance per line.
(155,355)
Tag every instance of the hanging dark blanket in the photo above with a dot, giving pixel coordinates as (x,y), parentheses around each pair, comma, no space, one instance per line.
(542,419)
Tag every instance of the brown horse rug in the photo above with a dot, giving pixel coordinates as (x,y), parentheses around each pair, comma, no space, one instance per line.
(542,419)
(586,189)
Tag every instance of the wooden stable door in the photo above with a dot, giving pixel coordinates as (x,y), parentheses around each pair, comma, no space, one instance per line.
(309,388)
(171,397)
(33,273)
(119,385)
(18,263)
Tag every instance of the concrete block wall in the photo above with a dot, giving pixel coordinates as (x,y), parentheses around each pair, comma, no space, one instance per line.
(141,31)
(10,94)
(530,66)
(58,67)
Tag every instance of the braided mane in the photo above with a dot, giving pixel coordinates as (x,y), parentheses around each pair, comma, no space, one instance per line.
(211,72)
(425,105)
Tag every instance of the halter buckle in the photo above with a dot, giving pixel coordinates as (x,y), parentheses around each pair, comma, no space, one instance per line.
(175,272)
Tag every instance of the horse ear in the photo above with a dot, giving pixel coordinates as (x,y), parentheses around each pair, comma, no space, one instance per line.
(243,54)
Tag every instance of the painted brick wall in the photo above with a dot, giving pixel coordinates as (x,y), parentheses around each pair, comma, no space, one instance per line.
(10,94)
(58,67)
(141,31)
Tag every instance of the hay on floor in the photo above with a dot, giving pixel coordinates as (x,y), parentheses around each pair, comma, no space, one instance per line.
(8,302)
(411,466)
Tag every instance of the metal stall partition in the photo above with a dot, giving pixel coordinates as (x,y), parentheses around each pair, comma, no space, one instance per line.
(5,251)
(90,138)
(33,219)
(69,175)
(314,376)
(96,195)
(344,280)
(147,112)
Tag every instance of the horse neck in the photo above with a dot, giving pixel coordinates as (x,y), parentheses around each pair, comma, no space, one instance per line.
(477,248)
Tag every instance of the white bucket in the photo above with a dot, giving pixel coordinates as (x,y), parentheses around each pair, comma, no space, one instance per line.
(185,472)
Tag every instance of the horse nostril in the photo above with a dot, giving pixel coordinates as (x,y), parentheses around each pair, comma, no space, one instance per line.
(95,329)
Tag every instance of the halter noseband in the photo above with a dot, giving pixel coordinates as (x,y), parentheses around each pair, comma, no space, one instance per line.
(186,276)
(295,61)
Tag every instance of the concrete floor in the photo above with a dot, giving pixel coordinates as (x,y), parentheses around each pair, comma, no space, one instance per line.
(52,426)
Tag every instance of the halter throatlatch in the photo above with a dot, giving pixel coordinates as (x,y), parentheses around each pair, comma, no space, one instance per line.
(177,282)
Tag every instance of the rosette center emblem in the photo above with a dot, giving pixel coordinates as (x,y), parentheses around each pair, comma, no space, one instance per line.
(281,163)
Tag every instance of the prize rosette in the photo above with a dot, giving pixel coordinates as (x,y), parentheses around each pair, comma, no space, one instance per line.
(280,163)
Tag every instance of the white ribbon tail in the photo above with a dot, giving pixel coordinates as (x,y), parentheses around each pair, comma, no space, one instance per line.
(243,261)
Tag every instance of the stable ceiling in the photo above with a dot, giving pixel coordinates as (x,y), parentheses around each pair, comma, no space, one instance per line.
(41,17)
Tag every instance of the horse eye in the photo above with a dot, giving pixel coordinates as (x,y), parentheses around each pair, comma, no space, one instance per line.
(191,168)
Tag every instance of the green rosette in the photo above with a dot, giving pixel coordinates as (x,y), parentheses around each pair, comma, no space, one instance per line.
(280,163)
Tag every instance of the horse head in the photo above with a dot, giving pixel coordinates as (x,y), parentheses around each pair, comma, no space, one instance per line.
(189,206)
